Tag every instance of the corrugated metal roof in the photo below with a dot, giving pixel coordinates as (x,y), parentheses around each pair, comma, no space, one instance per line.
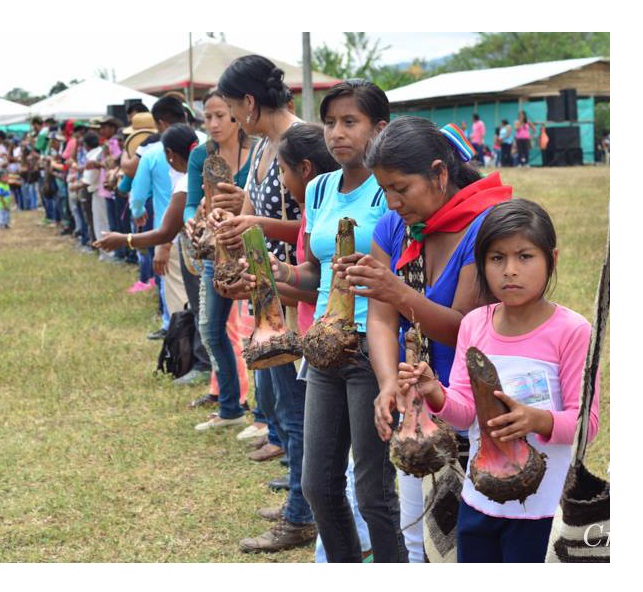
(492,80)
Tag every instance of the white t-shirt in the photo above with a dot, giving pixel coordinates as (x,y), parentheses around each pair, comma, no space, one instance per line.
(91,177)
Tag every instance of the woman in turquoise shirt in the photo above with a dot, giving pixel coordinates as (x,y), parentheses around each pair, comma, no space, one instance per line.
(228,140)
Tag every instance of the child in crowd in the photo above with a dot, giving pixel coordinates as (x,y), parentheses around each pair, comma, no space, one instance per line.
(5,200)
(531,341)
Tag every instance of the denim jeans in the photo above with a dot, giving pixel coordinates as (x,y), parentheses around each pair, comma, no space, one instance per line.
(282,397)
(213,316)
(339,415)
(145,256)
(85,198)
(30,193)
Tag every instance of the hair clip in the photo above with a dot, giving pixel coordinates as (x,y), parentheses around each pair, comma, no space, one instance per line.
(459,141)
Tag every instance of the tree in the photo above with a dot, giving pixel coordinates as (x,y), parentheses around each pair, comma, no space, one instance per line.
(19,95)
(57,88)
(496,50)
(359,58)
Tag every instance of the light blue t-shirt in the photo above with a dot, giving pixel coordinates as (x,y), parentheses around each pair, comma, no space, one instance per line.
(152,178)
(325,206)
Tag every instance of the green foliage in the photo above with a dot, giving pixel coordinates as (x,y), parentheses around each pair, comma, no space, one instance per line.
(496,50)
(360,58)
(57,88)
(20,95)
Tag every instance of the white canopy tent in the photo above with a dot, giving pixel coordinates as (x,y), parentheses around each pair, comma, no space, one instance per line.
(11,112)
(87,99)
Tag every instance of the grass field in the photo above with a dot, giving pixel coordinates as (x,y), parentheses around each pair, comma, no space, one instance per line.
(100,460)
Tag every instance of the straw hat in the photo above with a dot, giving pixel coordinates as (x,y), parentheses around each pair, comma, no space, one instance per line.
(133,141)
(141,122)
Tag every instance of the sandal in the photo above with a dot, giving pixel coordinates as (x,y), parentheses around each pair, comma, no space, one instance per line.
(203,401)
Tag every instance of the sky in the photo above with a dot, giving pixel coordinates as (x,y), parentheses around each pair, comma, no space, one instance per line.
(37,71)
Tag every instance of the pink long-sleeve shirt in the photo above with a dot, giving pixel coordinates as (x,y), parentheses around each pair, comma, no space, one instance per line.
(542,368)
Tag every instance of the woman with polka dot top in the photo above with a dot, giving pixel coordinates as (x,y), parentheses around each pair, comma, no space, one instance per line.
(259,100)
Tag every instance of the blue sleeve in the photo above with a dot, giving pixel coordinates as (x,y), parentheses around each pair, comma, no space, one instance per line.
(141,187)
(125,184)
(383,234)
(195,181)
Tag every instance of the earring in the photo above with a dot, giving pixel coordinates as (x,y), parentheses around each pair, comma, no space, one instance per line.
(443,189)
(248,118)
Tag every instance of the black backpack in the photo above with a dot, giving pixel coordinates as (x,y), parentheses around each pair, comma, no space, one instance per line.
(176,356)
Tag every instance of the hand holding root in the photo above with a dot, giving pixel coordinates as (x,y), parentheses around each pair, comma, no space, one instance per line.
(422,377)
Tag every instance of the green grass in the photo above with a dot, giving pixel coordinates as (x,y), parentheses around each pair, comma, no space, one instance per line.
(100,460)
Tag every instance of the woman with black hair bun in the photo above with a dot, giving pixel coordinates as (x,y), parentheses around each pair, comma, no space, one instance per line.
(254,89)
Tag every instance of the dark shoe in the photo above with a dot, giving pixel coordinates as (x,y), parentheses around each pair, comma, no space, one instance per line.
(204,401)
(193,378)
(271,514)
(284,535)
(280,483)
(266,452)
(160,334)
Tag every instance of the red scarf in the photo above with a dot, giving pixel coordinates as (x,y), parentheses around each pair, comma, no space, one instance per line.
(459,211)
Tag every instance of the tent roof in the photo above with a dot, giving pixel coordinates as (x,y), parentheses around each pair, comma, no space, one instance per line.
(209,60)
(89,98)
(11,112)
(478,82)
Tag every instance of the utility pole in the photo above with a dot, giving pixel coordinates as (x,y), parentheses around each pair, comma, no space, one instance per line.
(191,87)
(307,97)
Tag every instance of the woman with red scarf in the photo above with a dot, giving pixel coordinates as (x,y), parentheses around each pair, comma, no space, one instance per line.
(421,267)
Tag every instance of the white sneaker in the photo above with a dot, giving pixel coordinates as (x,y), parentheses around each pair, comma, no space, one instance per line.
(252,431)
(214,421)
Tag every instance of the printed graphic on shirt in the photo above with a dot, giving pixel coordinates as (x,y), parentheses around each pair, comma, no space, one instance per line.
(530,389)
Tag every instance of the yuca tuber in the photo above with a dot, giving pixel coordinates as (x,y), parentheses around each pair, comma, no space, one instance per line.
(271,342)
(420,446)
(502,471)
(227,268)
(332,340)
(215,170)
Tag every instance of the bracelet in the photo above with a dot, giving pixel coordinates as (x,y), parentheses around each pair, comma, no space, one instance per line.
(129,241)
(286,280)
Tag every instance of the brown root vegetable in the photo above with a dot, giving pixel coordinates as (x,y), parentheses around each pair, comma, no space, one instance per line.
(332,340)
(215,170)
(420,445)
(271,342)
(502,471)
(227,268)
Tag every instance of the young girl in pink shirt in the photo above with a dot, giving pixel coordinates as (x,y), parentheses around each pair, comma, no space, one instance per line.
(538,348)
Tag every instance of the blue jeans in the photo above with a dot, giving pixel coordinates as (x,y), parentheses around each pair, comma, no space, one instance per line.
(487,539)
(282,397)
(339,415)
(30,193)
(145,256)
(214,311)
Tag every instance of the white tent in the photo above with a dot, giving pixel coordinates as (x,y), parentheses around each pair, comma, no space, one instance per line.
(86,99)
(11,112)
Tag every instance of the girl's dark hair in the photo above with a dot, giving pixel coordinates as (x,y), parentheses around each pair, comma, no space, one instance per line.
(241,135)
(257,76)
(180,138)
(410,145)
(516,216)
(370,98)
(306,141)
(91,140)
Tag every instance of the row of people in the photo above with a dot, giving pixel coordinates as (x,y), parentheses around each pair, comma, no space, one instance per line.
(420,208)
(438,244)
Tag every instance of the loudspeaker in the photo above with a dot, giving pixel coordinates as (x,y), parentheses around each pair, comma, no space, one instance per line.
(569,100)
(563,138)
(555,109)
(119,112)
(569,157)
(130,102)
